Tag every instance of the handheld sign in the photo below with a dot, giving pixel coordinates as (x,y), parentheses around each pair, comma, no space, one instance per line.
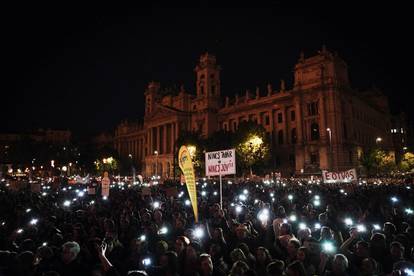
(186,165)
(339,177)
(105,184)
(221,162)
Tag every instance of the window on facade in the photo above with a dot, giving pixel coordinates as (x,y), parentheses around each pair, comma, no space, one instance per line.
(314,158)
(213,90)
(292,115)
(293,136)
(345,132)
(280,136)
(313,108)
(194,107)
(279,117)
(267,121)
(234,126)
(314,131)
(201,90)
(292,161)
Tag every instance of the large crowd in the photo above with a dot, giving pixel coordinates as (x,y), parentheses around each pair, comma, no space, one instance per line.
(288,227)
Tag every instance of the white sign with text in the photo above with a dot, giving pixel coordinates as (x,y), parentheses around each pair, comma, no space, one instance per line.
(222,162)
(339,177)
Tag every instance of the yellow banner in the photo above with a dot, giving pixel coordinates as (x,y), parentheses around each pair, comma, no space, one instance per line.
(186,165)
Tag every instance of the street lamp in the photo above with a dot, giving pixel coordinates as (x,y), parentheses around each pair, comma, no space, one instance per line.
(330,147)
(156,163)
(378,140)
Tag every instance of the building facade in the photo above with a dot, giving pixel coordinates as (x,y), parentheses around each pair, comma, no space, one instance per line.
(319,123)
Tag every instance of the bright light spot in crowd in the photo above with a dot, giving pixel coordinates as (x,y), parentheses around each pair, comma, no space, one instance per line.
(232,204)
(229,182)
(19,231)
(105,198)
(3,223)
(348,221)
(302,226)
(44,194)
(198,233)
(143,238)
(238,209)
(292,218)
(256,201)
(376,227)
(66,203)
(245,191)
(361,228)
(263,215)
(242,197)
(290,197)
(81,194)
(342,191)
(146,261)
(34,221)
(28,210)
(310,191)
(203,193)
(317,197)
(409,211)
(394,199)
(74,199)
(92,202)
(215,193)
(408,188)
(187,202)
(272,194)
(64,168)
(409,272)
(156,205)
(318,226)
(70,188)
(328,247)
(163,231)
(316,203)
(44,244)
(64,189)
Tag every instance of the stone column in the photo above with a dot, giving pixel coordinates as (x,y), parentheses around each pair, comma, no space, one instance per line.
(158,139)
(164,137)
(299,128)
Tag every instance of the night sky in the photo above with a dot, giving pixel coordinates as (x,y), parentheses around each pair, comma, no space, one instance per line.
(86,70)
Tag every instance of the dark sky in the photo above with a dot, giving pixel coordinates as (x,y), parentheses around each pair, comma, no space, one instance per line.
(86,70)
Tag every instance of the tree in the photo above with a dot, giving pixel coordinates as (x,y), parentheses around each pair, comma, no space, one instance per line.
(252,146)
(407,162)
(378,161)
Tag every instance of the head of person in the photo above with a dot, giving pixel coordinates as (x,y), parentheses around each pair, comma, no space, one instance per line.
(323,218)
(303,254)
(70,251)
(368,266)
(237,255)
(389,229)
(169,261)
(241,232)
(206,264)
(362,249)
(239,268)
(276,268)
(378,242)
(285,229)
(215,251)
(397,250)
(296,268)
(180,244)
(293,247)
(263,255)
(339,264)
(326,233)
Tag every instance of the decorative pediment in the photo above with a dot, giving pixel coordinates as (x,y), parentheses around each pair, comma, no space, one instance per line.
(163,112)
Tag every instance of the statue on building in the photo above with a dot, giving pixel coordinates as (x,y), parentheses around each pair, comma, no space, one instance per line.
(269,89)
(257,93)
(282,86)
(246,98)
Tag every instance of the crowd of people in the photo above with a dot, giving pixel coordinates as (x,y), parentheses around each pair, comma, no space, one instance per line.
(288,227)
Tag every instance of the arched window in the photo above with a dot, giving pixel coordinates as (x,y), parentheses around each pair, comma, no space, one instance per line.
(280,137)
(293,136)
(314,131)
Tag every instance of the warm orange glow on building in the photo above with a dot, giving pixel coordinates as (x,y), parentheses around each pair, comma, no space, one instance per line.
(296,120)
